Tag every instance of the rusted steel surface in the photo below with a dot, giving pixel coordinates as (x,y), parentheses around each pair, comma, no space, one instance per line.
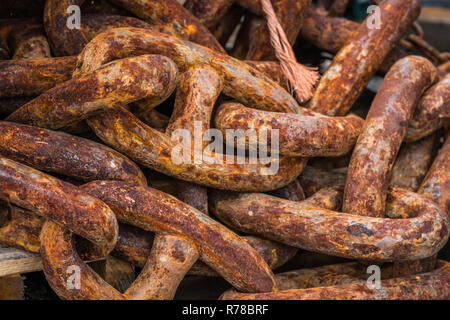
(63,40)
(271,69)
(151,149)
(117,83)
(413,162)
(358,60)
(209,12)
(152,210)
(384,129)
(21,230)
(366,238)
(313,179)
(170,258)
(290,14)
(293,191)
(431,112)
(226,26)
(168,16)
(65,154)
(309,135)
(436,184)
(58,201)
(29,43)
(338,7)
(241,82)
(20,78)
(425,286)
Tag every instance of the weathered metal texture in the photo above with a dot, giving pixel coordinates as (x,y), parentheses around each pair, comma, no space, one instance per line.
(431,285)
(358,60)
(290,14)
(152,149)
(117,83)
(29,43)
(241,82)
(63,40)
(436,184)
(209,12)
(154,119)
(339,234)
(58,201)
(65,154)
(168,16)
(338,7)
(226,26)
(293,191)
(170,258)
(313,179)
(431,112)
(272,70)
(413,162)
(308,135)
(231,256)
(19,78)
(252,5)
(94,24)
(443,69)
(59,259)
(384,129)
(21,230)
(9,105)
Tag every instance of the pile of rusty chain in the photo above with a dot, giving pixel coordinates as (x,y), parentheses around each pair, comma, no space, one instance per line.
(80,133)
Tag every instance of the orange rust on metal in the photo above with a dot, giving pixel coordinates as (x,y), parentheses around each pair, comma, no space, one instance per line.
(209,12)
(293,191)
(29,42)
(226,26)
(358,60)
(65,154)
(20,78)
(152,210)
(384,129)
(168,16)
(436,184)
(308,135)
(241,82)
(313,179)
(154,119)
(413,162)
(271,69)
(338,7)
(172,256)
(117,83)
(290,14)
(425,286)
(58,201)
(303,225)
(443,69)
(21,229)
(152,149)
(431,112)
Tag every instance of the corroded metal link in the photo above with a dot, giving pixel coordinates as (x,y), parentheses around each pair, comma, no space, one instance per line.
(65,154)
(241,82)
(431,285)
(339,234)
(299,135)
(293,191)
(431,112)
(209,12)
(413,162)
(170,17)
(32,77)
(58,201)
(152,210)
(172,256)
(152,149)
(358,60)
(384,129)
(436,184)
(290,14)
(29,43)
(331,33)
(117,83)
(313,179)
(22,230)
